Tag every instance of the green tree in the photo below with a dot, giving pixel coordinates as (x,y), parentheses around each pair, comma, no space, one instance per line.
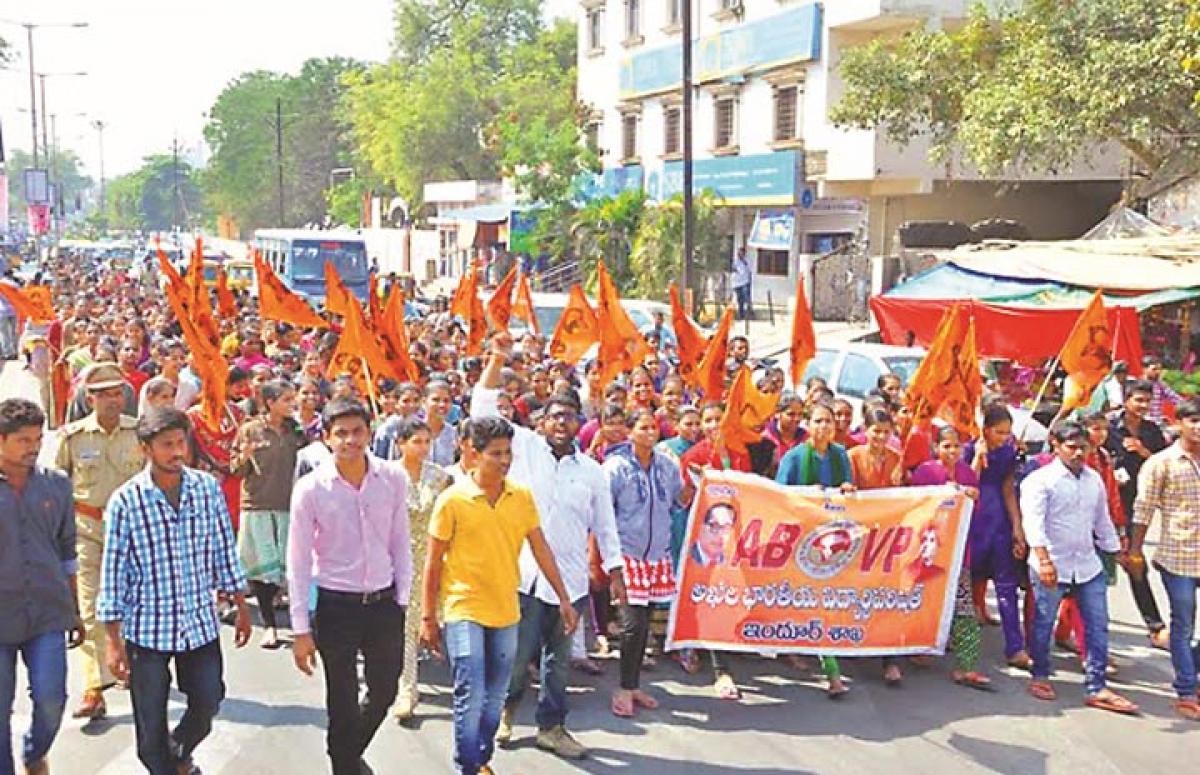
(604,229)
(1030,88)
(241,180)
(658,244)
(157,196)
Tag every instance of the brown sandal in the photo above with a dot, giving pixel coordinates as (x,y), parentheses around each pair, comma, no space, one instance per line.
(1189,709)
(974,680)
(1042,690)
(1111,701)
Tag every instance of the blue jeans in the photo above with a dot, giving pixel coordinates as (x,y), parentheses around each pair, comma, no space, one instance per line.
(45,658)
(481,662)
(1185,655)
(198,673)
(742,292)
(541,631)
(1092,598)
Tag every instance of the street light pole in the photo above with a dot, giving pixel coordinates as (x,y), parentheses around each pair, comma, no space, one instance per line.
(279,154)
(99,125)
(32,96)
(45,122)
(686,85)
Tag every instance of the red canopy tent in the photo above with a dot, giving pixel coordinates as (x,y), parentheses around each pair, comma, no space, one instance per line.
(1025,334)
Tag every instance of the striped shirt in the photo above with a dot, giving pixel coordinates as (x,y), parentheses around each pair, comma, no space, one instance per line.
(162,565)
(1169,488)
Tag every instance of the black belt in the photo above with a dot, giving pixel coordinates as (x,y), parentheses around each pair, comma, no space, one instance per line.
(361,598)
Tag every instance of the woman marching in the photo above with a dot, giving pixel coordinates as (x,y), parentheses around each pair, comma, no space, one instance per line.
(264,458)
(425,480)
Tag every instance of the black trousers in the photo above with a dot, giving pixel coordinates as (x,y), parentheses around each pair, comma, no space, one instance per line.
(198,673)
(635,627)
(343,629)
(1143,594)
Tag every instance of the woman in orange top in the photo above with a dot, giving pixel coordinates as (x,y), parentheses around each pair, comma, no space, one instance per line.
(876,465)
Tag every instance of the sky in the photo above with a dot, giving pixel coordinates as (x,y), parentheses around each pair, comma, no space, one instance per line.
(155,66)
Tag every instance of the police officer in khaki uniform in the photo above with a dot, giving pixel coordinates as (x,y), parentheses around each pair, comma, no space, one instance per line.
(99,453)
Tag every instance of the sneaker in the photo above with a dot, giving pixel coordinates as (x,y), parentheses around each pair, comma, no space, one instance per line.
(559,740)
(504,732)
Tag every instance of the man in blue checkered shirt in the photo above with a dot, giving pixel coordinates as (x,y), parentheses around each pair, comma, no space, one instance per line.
(168,547)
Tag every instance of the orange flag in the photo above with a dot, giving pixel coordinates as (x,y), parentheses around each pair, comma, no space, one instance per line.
(500,305)
(338,298)
(374,303)
(394,337)
(746,410)
(476,326)
(226,304)
(804,338)
(210,366)
(1087,355)
(29,303)
(622,346)
(710,372)
(948,384)
(168,269)
(276,302)
(460,303)
(43,302)
(690,342)
(523,304)
(359,354)
(577,329)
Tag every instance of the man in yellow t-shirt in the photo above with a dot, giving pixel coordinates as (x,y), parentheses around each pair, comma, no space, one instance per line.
(475,536)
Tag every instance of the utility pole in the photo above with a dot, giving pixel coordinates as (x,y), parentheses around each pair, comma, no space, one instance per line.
(175,184)
(279,155)
(45,119)
(32,96)
(685,22)
(99,125)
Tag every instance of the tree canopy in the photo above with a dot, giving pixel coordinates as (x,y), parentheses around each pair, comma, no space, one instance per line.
(241,178)
(66,170)
(146,198)
(1031,88)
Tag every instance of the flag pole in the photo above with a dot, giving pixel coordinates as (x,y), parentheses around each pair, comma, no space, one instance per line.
(1040,395)
(370,386)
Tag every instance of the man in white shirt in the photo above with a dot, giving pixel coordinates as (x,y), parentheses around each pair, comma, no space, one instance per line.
(1064,510)
(742,276)
(573,500)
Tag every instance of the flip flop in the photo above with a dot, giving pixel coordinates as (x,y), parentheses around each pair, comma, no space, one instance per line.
(622,709)
(644,700)
(1042,690)
(1020,661)
(837,692)
(976,681)
(1160,639)
(726,688)
(1112,701)
(1188,709)
(892,677)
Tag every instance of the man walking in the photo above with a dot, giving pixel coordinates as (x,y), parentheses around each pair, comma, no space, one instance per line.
(37,583)
(168,547)
(742,277)
(99,453)
(349,533)
(1132,439)
(1169,488)
(478,527)
(573,502)
(1065,516)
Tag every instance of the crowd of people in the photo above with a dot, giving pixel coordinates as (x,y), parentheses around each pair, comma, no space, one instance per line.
(507,512)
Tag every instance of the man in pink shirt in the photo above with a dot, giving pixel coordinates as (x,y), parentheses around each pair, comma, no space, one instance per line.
(349,534)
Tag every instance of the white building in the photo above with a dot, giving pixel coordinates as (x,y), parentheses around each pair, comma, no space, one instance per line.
(766,78)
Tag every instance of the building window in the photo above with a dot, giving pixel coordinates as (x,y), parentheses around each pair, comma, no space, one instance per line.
(773,262)
(672,116)
(725,123)
(629,136)
(787,100)
(822,243)
(595,29)
(633,19)
(673,13)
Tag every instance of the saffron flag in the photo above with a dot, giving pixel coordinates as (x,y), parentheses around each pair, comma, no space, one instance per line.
(276,302)
(32,303)
(804,570)
(394,337)
(338,298)
(804,337)
(523,304)
(948,384)
(710,373)
(210,366)
(460,302)
(622,346)
(747,410)
(226,304)
(360,355)
(577,329)
(1087,355)
(500,305)
(690,343)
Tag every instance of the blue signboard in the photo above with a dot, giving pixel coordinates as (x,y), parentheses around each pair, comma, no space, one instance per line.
(785,38)
(757,179)
(610,182)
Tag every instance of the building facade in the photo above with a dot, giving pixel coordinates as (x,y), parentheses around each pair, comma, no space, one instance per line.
(796,187)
